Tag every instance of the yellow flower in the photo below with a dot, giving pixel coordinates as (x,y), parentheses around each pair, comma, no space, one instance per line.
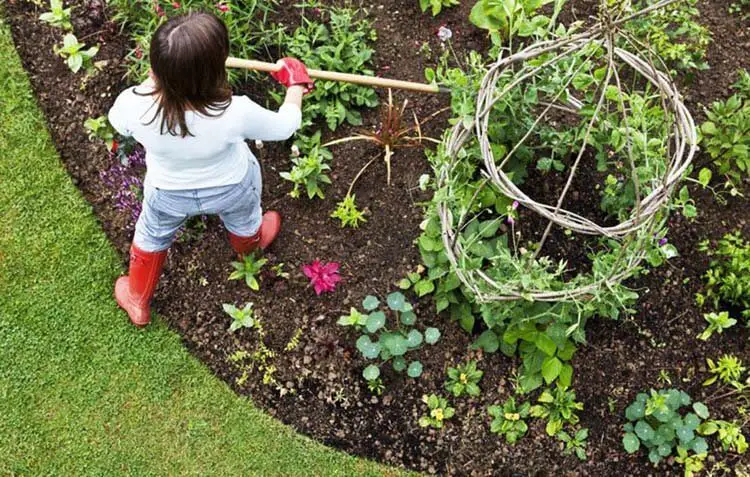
(437,414)
(512,416)
(463,378)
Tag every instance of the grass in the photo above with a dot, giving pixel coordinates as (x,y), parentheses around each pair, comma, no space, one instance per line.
(82,392)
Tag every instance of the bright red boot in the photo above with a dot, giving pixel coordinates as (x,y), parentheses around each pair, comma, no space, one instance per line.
(269,229)
(134,291)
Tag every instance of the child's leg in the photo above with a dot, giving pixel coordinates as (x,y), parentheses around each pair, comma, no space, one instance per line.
(162,216)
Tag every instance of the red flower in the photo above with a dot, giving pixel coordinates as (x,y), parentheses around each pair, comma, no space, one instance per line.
(323,277)
(223,7)
(138,52)
(159,11)
(176,5)
(115,146)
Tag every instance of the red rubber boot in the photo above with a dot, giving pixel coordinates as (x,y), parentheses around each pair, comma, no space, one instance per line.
(269,229)
(134,291)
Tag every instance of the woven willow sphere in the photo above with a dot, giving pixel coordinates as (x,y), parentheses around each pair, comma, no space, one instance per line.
(622,75)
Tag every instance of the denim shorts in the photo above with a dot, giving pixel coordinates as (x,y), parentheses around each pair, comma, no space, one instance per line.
(165,211)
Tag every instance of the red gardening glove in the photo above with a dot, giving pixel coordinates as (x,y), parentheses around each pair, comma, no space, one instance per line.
(292,73)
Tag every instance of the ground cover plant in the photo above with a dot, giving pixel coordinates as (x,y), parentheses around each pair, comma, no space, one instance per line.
(299,364)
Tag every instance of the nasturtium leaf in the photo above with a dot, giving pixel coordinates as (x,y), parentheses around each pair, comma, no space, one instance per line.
(415,369)
(408,318)
(368,349)
(631,443)
(685,434)
(399,363)
(664,449)
(653,456)
(487,341)
(635,411)
(701,410)
(370,303)
(644,431)
(375,321)
(396,344)
(431,335)
(628,427)
(414,338)
(551,369)
(371,372)
(685,398)
(692,421)
(700,446)
(396,301)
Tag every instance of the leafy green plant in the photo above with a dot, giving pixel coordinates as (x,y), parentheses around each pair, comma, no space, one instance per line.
(729,434)
(57,16)
(439,411)
(75,54)
(309,172)
(392,342)
(558,407)
(508,419)
(656,422)
(728,369)
(576,443)
(339,41)
(726,137)
(248,270)
(728,276)
(436,6)
(717,323)
(693,464)
(241,317)
(99,128)
(464,379)
(508,18)
(347,212)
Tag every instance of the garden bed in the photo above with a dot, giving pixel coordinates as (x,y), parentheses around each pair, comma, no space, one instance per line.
(324,395)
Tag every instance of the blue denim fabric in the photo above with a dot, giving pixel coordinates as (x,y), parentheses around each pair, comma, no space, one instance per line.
(164,211)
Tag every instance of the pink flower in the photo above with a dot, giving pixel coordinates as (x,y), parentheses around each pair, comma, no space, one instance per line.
(176,5)
(323,277)
(223,7)
(444,33)
(515,205)
(159,10)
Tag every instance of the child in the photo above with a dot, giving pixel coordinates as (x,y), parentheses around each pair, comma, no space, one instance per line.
(194,133)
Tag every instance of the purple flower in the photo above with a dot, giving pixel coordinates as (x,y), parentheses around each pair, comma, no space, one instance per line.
(444,33)
(663,242)
(515,205)
(510,220)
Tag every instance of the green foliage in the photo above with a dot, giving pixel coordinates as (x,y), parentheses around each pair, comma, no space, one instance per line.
(509,18)
(75,54)
(725,136)
(742,86)
(251,35)
(57,16)
(380,342)
(347,212)
(576,443)
(558,407)
(439,411)
(727,279)
(656,422)
(727,369)
(729,434)
(464,379)
(248,270)
(241,317)
(508,419)
(437,6)
(99,128)
(309,171)
(717,322)
(672,33)
(341,42)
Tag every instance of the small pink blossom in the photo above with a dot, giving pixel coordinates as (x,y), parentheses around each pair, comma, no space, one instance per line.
(323,277)
(515,205)
(176,5)
(159,10)
(510,220)
(223,7)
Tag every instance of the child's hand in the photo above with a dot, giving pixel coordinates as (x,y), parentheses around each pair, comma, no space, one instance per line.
(292,73)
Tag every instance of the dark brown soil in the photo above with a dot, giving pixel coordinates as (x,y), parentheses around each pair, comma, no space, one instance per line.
(324,395)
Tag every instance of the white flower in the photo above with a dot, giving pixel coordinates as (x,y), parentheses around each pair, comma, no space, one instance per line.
(295,151)
(444,33)
(259,144)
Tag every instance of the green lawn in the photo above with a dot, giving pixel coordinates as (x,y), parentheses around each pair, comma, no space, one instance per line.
(81,390)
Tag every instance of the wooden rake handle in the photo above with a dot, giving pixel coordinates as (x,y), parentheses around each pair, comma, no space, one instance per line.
(345,77)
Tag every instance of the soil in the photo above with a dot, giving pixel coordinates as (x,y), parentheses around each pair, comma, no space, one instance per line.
(320,390)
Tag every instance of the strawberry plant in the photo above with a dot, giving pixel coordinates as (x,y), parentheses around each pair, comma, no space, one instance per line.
(75,54)
(464,379)
(436,6)
(439,412)
(508,419)
(57,16)
(248,270)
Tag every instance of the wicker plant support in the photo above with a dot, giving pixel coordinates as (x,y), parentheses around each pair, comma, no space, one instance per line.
(644,216)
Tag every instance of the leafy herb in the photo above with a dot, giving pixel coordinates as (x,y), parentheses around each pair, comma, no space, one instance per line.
(57,16)
(76,54)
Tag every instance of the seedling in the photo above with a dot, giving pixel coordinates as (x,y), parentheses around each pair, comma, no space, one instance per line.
(440,411)
(729,434)
(509,420)
(347,212)
(241,318)
(464,379)
(99,128)
(558,407)
(248,269)
(575,443)
(76,57)
(728,369)
(717,322)
(57,16)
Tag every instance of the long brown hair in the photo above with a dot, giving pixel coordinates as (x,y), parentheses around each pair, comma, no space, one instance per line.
(188,53)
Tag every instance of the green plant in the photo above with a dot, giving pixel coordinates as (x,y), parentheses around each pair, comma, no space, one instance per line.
(99,128)
(309,170)
(252,35)
(509,18)
(464,379)
(439,409)
(392,343)
(655,421)
(248,269)
(728,276)
(508,419)
(339,41)
(76,57)
(57,16)
(693,464)
(726,137)
(347,212)
(728,369)
(717,323)
(729,434)
(241,317)
(437,6)
(575,443)
(742,86)
(558,407)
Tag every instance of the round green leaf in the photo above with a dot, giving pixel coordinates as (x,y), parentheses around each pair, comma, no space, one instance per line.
(368,349)
(375,321)
(692,421)
(487,341)
(701,410)
(396,301)
(644,431)
(631,443)
(408,318)
(700,446)
(551,368)
(371,372)
(415,369)
(685,434)
(370,303)
(664,449)
(396,345)
(431,335)
(414,338)
(399,364)
(635,411)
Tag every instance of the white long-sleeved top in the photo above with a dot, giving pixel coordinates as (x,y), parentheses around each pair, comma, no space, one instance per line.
(215,154)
